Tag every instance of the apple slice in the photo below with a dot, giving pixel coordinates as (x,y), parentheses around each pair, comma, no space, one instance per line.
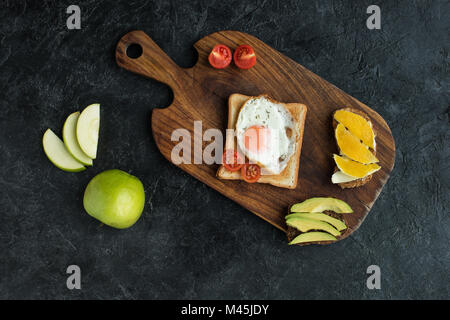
(87,130)
(57,153)
(70,139)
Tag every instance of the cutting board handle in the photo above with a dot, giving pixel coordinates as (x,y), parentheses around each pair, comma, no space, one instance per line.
(152,63)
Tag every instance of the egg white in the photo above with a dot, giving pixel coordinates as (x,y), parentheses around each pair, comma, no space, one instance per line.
(262,112)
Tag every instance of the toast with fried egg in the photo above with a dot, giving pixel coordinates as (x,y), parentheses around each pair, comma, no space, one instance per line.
(288,176)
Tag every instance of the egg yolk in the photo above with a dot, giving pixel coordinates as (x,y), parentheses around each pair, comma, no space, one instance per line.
(256,139)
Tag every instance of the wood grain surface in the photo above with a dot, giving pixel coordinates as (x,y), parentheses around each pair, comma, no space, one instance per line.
(201,93)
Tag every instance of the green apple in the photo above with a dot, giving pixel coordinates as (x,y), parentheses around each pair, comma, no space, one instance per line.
(312,237)
(115,197)
(57,153)
(305,224)
(322,204)
(88,125)
(70,139)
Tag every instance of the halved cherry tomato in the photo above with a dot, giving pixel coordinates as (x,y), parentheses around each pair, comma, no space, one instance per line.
(244,57)
(220,56)
(250,172)
(232,160)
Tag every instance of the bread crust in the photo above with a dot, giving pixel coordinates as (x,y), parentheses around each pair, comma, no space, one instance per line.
(288,178)
(358,182)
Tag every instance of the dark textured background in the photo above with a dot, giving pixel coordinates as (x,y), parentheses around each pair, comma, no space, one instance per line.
(191,242)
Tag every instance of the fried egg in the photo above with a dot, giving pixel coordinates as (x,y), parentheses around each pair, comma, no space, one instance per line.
(266,135)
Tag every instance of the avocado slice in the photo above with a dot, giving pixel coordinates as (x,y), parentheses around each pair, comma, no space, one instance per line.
(312,237)
(322,204)
(305,224)
(338,224)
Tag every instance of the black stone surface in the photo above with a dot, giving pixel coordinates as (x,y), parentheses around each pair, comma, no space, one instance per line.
(192,242)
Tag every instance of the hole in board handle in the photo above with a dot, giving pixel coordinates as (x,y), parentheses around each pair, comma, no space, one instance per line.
(134,51)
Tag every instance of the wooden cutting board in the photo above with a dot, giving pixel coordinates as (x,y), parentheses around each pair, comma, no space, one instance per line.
(201,93)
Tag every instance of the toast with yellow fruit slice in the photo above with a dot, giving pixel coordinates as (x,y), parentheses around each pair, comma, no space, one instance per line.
(356,142)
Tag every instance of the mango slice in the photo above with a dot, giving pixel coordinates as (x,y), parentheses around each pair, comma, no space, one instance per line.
(357,125)
(353,168)
(352,147)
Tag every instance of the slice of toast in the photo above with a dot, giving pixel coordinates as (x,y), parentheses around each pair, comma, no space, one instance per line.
(362,181)
(289,176)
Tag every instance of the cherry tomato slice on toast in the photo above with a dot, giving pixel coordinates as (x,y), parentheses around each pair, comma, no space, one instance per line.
(232,160)
(250,172)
